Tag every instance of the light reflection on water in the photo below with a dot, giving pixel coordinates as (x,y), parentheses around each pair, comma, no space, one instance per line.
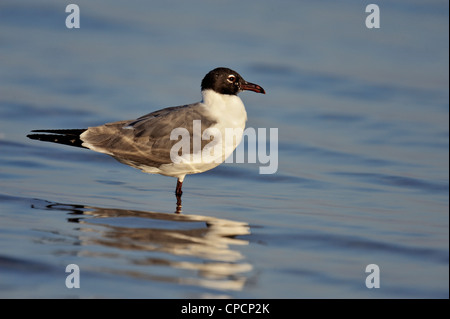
(202,245)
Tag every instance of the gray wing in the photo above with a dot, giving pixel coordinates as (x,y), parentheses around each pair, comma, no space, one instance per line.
(146,140)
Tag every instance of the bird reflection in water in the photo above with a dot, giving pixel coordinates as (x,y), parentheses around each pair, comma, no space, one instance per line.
(202,245)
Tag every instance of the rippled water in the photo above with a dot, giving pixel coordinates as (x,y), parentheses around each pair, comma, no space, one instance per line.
(363,157)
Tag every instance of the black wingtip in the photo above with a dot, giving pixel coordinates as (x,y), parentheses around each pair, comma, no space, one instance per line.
(69,137)
(76,132)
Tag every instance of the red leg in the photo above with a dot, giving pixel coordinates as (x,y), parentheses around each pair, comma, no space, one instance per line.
(178,194)
(178,190)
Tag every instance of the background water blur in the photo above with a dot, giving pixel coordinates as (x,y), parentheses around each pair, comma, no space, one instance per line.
(363,151)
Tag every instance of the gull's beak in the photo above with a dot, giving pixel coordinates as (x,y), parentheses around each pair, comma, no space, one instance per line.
(252,87)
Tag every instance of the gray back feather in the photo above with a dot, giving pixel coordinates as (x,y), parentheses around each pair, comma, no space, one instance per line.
(146,140)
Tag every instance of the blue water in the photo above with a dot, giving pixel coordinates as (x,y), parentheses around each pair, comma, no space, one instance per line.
(363,143)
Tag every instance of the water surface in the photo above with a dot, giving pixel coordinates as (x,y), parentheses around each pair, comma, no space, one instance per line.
(362,179)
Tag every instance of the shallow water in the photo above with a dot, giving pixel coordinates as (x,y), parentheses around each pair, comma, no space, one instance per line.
(363,133)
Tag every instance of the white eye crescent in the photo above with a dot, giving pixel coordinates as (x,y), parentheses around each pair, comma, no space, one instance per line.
(231,78)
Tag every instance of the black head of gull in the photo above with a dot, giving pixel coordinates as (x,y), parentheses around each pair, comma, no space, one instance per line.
(227,81)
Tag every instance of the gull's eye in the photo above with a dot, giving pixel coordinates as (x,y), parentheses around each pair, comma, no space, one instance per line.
(231,78)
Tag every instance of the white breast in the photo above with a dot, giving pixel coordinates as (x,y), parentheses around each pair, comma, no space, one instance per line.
(229,113)
(227,110)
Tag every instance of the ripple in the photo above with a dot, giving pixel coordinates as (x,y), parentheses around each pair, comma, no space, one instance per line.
(347,87)
(399,181)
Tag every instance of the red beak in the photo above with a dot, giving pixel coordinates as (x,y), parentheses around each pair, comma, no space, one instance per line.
(252,87)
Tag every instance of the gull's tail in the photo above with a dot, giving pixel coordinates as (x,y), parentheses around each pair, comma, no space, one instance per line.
(67,137)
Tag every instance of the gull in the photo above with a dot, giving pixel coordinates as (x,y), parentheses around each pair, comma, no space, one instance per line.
(148,142)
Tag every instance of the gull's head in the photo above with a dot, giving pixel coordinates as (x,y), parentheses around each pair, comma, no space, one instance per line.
(227,81)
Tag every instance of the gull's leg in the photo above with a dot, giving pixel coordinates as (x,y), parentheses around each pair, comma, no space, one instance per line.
(178,193)
(178,190)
